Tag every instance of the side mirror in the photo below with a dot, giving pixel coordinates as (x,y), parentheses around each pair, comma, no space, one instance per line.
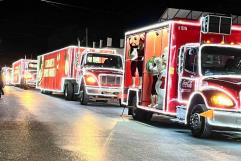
(192,51)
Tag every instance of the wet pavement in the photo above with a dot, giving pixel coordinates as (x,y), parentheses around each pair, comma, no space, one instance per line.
(40,127)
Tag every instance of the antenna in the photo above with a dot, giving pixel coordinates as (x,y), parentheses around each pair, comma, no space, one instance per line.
(78,41)
(86,36)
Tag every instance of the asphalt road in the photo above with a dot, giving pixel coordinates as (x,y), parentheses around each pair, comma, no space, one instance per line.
(38,127)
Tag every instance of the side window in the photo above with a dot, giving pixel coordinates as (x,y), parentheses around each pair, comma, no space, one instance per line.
(191,60)
(180,60)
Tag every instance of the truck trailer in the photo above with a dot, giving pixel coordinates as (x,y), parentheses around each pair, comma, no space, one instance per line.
(89,74)
(197,76)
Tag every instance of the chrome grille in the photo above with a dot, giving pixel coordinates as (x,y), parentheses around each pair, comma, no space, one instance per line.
(110,80)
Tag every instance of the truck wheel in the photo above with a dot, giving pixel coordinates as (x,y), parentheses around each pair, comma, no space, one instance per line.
(139,114)
(42,91)
(84,98)
(121,105)
(198,124)
(46,92)
(49,92)
(69,91)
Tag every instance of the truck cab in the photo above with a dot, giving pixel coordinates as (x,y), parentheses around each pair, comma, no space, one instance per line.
(209,79)
(100,77)
(30,73)
(24,73)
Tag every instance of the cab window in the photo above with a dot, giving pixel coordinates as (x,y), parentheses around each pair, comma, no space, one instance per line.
(191,60)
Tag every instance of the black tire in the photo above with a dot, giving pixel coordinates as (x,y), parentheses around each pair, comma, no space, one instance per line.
(198,124)
(46,92)
(69,91)
(84,98)
(121,105)
(42,91)
(25,87)
(139,114)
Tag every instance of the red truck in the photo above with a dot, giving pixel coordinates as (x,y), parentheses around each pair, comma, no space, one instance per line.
(88,73)
(199,77)
(24,73)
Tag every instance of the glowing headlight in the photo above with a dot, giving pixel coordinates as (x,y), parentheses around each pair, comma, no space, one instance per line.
(221,100)
(91,80)
(27,75)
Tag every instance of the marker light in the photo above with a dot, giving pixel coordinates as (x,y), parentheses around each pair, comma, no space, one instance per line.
(221,100)
(91,80)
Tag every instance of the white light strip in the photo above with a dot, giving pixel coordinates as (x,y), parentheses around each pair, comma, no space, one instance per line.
(162,24)
(124,75)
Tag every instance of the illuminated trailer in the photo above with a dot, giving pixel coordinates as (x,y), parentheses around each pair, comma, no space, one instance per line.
(24,73)
(88,73)
(186,69)
(7,75)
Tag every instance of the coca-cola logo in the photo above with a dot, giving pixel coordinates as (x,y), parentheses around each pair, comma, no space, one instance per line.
(186,84)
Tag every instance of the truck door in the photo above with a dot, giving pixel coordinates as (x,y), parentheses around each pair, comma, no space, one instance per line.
(80,69)
(187,71)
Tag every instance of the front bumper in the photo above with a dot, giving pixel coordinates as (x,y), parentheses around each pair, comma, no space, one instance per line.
(225,119)
(31,83)
(103,91)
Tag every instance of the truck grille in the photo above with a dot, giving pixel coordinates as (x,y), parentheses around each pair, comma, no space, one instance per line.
(110,80)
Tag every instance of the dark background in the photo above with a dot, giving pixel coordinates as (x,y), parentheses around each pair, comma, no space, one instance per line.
(34,27)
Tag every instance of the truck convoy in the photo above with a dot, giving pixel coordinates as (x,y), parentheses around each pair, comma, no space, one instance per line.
(24,73)
(186,69)
(88,73)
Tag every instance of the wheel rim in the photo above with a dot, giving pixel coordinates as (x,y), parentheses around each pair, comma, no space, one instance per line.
(195,121)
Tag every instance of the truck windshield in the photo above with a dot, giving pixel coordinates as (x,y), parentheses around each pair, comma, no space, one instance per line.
(103,60)
(218,60)
(32,66)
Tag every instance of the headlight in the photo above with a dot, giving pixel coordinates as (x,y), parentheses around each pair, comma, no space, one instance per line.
(27,75)
(91,80)
(221,100)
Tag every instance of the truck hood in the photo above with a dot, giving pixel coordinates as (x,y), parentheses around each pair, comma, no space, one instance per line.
(98,71)
(232,83)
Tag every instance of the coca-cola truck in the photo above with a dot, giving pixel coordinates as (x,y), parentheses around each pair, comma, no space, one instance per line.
(89,74)
(198,73)
(24,73)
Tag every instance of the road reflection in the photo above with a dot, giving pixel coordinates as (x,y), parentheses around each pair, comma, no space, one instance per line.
(88,137)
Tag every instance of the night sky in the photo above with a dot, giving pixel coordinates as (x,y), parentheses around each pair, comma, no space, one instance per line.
(34,27)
